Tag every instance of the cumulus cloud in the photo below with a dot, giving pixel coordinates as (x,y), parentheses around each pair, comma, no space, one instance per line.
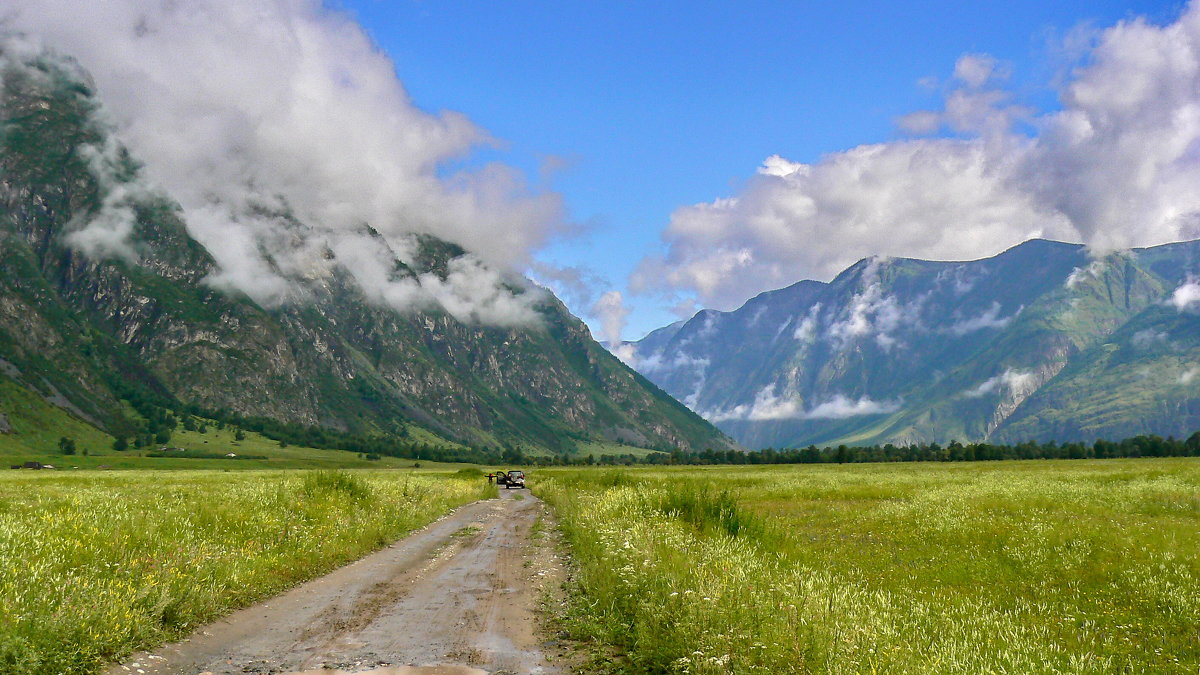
(1186,298)
(1189,375)
(281,129)
(768,405)
(1115,168)
(1016,382)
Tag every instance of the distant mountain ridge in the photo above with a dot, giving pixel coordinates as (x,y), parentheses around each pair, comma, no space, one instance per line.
(1041,342)
(83,330)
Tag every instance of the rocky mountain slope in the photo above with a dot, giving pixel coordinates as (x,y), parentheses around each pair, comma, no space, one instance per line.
(1041,342)
(85,330)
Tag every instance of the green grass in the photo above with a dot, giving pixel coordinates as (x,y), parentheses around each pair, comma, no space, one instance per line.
(1041,566)
(94,565)
(38,425)
(599,448)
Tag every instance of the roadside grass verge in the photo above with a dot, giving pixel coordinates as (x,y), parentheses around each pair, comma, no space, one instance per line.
(96,565)
(1030,567)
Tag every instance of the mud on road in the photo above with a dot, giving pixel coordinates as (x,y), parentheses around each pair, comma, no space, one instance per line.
(459,596)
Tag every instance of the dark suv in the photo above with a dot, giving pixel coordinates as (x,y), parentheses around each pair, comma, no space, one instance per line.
(513,479)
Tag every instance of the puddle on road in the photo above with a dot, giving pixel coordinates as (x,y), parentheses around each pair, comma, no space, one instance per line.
(401,670)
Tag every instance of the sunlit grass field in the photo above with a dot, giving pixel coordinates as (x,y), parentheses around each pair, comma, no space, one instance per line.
(94,565)
(996,567)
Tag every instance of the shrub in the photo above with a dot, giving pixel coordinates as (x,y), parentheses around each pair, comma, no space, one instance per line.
(325,484)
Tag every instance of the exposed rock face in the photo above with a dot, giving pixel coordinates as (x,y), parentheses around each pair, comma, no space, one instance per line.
(78,327)
(1038,343)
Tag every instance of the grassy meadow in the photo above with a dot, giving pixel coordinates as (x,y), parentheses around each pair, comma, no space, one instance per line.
(997,567)
(94,565)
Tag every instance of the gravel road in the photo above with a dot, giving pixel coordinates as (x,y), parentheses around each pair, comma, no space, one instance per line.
(459,596)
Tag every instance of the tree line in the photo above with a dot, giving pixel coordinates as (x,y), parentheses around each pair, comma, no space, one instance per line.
(1136,446)
(161,415)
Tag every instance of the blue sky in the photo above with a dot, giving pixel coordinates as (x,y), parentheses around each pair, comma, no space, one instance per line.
(631,110)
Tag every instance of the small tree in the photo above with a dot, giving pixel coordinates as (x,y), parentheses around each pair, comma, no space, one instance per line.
(239,435)
(66,445)
(162,436)
(282,443)
(120,444)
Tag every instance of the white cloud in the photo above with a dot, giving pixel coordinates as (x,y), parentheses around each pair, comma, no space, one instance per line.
(1017,383)
(1189,375)
(872,313)
(472,292)
(767,406)
(680,361)
(989,318)
(975,70)
(576,285)
(681,364)
(1148,337)
(1115,168)
(1186,298)
(938,198)
(841,407)
(806,329)
(106,233)
(1078,274)
(612,312)
(281,129)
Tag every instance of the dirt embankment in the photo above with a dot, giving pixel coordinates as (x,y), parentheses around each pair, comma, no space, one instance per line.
(459,596)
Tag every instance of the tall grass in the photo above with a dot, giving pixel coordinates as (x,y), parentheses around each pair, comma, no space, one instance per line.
(94,566)
(1081,567)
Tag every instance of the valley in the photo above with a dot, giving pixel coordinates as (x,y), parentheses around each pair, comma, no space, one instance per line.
(275,315)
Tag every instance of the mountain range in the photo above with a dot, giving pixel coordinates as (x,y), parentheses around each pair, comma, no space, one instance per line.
(89,332)
(1046,341)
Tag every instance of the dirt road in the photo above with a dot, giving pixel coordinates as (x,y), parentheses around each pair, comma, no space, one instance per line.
(456,597)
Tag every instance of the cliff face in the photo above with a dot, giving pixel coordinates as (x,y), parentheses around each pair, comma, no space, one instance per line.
(78,321)
(1041,342)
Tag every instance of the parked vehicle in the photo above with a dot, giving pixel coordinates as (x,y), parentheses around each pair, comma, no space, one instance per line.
(511,479)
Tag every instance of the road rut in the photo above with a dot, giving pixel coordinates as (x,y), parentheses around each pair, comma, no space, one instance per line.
(455,597)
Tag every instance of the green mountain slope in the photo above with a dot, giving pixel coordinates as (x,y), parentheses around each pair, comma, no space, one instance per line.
(84,326)
(1040,342)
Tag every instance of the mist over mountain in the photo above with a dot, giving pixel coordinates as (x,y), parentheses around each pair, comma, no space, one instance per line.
(1042,342)
(378,330)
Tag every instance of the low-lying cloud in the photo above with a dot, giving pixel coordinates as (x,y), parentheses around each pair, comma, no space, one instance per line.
(768,406)
(990,318)
(1014,382)
(1115,168)
(1186,298)
(282,130)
